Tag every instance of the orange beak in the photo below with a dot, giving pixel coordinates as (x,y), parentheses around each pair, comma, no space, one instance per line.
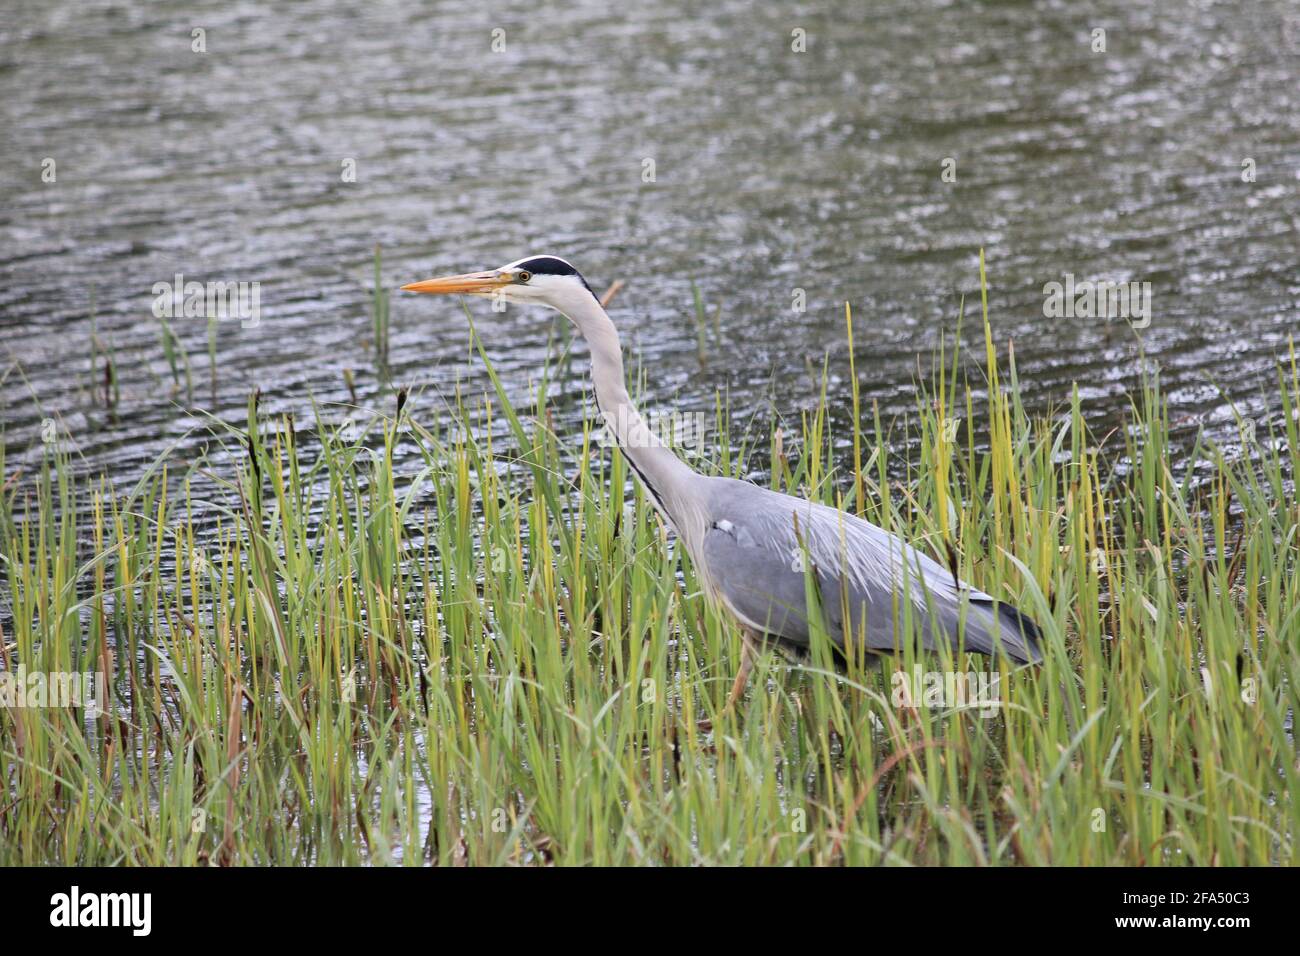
(470,283)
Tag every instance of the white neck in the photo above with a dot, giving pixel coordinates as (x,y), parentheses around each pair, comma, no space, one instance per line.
(665,477)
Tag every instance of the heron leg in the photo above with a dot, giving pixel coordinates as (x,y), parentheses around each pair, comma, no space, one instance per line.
(748,652)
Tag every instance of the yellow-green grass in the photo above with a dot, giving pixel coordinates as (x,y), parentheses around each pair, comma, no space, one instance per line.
(425,644)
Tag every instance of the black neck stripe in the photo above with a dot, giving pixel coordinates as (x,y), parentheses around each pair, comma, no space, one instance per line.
(645,482)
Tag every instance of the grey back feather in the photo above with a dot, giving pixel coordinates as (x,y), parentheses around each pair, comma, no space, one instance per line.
(758,547)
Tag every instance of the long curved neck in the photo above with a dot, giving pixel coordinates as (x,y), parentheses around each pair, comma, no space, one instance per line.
(665,476)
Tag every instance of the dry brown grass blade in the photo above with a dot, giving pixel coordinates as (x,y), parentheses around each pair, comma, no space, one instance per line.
(861,798)
(612,291)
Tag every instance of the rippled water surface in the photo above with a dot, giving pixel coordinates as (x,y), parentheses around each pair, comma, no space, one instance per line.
(773,171)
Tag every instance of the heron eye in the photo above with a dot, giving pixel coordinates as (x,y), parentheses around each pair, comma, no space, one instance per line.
(523,275)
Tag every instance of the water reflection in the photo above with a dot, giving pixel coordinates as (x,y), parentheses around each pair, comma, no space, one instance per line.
(773,171)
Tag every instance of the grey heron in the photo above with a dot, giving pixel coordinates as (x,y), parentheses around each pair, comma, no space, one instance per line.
(754,548)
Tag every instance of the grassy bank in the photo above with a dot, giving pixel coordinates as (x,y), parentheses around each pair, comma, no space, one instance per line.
(486,657)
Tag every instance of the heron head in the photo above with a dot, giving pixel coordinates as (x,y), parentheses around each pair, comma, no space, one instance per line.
(533,280)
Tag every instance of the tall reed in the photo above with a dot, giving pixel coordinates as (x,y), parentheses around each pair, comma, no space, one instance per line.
(319,652)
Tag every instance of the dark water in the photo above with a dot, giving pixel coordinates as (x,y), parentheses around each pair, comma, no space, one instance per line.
(773,171)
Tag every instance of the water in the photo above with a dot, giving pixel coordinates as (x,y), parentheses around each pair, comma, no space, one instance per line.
(773,171)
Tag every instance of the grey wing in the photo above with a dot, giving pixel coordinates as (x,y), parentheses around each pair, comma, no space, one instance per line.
(759,545)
